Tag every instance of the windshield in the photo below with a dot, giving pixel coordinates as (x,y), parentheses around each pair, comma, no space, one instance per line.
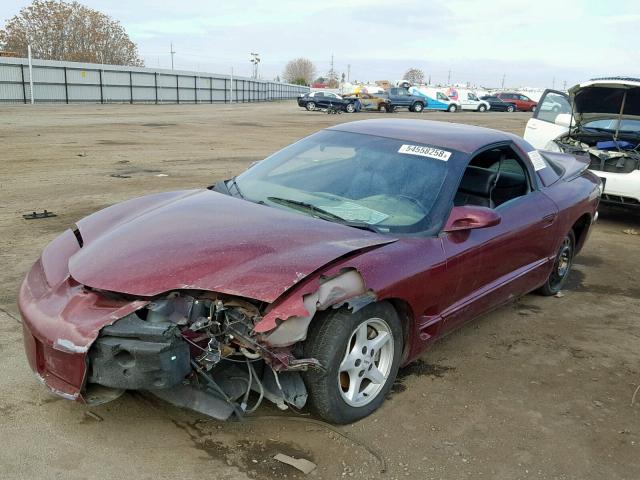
(626,125)
(385,184)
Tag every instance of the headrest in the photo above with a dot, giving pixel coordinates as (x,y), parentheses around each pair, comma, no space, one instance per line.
(478,181)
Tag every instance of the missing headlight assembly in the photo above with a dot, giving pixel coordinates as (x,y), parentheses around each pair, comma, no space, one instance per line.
(197,350)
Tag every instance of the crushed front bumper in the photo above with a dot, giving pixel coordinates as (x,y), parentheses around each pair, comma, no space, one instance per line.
(60,323)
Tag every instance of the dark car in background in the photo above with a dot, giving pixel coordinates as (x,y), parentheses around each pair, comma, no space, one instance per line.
(402,98)
(322,100)
(522,102)
(498,105)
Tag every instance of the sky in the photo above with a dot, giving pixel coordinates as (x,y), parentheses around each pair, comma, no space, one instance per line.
(523,43)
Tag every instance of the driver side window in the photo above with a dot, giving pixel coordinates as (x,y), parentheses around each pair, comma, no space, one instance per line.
(493,178)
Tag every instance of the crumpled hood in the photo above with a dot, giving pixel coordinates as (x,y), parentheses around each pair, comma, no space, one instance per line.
(206,240)
(603,99)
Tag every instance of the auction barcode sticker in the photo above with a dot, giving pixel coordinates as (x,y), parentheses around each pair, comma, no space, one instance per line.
(537,160)
(425,152)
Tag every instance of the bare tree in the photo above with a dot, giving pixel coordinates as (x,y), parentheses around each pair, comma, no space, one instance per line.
(414,75)
(299,71)
(69,31)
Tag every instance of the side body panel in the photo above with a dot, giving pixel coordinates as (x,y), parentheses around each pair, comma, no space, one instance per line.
(492,265)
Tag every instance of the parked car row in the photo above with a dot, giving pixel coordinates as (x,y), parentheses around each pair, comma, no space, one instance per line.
(417,99)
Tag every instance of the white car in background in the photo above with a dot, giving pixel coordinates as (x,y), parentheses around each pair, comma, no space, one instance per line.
(599,119)
(467,99)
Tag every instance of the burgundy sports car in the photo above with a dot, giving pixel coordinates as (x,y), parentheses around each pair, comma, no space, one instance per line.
(309,278)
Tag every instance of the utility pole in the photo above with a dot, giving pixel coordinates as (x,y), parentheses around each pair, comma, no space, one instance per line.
(349,73)
(172,52)
(255,59)
(564,85)
(553,83)
(449,78)
(429,82)
(504,75)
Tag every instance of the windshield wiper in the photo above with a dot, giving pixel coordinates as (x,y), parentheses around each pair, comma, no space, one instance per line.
(322,213)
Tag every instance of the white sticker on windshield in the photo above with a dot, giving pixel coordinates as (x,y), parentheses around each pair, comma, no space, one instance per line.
(425,152)
(354,212)
(537,160)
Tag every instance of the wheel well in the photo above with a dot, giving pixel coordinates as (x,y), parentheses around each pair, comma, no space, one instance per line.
(580,229)
(407,318)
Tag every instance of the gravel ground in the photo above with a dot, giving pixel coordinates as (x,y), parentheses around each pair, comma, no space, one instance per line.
(541,388)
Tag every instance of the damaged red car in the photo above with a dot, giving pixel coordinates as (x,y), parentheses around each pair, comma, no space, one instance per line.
(311,277)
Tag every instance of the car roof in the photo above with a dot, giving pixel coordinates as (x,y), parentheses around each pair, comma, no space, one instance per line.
(454,136)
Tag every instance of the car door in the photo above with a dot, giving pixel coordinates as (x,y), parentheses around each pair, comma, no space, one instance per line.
(542,127)
(399,97)
(472,101)
(490,266)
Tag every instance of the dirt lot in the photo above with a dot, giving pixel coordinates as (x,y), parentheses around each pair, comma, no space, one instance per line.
(539,389)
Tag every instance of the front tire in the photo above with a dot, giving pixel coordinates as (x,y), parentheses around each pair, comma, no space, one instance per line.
(452,108)
(482,108)
(511,109)
(350,108)
(360,353)
(311,106)
(561,266)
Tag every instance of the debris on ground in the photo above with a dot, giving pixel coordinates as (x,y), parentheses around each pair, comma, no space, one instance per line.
(35,215)
(631,231)
(302,464)
(560,294)
(117,175)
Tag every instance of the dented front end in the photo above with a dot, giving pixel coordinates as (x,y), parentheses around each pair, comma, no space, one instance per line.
(195,348)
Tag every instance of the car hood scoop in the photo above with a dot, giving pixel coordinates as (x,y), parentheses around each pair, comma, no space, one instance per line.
(209,241)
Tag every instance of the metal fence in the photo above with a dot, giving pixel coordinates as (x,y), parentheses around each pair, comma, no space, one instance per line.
(70,82)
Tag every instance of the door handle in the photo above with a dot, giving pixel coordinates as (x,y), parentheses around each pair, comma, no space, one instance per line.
(548,220)
(532,127)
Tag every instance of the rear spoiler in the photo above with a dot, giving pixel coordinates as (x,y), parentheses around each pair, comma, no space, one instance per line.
(571,166)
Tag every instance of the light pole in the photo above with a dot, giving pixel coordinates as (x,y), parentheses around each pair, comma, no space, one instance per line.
(255,59)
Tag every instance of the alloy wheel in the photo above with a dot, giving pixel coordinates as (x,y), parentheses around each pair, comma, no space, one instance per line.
(367,362)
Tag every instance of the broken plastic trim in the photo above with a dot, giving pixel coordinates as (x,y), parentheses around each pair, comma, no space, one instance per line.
(347,287)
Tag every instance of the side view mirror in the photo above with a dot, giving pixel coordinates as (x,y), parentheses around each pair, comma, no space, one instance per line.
(563,119)
(470,217)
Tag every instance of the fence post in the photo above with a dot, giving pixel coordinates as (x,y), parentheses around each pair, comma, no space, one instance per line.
(177,88)
(101,89)
(155,84)
(130,87)
(66,87)
(211,89)
(24,85)
(195,88)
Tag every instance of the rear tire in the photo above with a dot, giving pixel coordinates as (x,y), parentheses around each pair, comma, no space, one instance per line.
(482,108)
(561,266)
(452,108)
(417,107)
(511,109)
(360,353)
